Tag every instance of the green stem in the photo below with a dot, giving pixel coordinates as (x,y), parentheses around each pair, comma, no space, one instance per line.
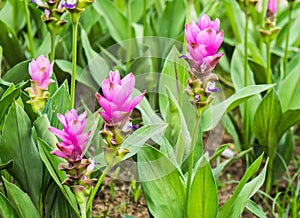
(83,210)
(94,192)
(269,175)
(29,31)
(286,49)
(52,51)
(74,60)
(191,161)
(269,72)
(128,54)
(246,83)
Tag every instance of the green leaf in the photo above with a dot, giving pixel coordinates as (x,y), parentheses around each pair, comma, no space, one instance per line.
(203,197)
(21,202)
(12,50)
(218,152)
(51,161)
(60,101)
(235,205)
(6,165)
(81,75)
(6,209)
(2,4)
(95,62)
(289,91)
(41,125)
(5,102)
(213,115)
(17,144)
(173,18)
(237,76)
(255,209)
(18,73)
(284,154)
(266,119)
(116,22)
(172,79)
(162,183)
(136,140)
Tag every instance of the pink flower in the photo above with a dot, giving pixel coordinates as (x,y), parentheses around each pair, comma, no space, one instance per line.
(73,140)
(272,6)
(40,71)
(204,40)
(117,104)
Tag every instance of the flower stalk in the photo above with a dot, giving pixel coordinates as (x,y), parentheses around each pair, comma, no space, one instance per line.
(74,60)
(29,29)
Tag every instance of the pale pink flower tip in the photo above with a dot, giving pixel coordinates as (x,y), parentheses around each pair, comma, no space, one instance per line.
(73,139)
(272,6)
(40,71)
(116,102)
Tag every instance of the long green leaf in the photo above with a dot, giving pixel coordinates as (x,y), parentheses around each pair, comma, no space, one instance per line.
(6,165)
(162,183)
(6,209)
(248,190)
(266,119)
(17,144)
(173,17)
(289,90)
(21,202)
(213,115)
(203,197)
(228,209)
(12,50)
(51,161)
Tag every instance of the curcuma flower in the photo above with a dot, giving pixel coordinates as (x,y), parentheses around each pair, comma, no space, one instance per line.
(73,139)
(117,104)
(203,40)
(40,71)
(71,148)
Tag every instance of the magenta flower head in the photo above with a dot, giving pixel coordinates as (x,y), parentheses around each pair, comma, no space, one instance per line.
(203,40)
(73,139)
(40,71)
(117,104)
(272,6)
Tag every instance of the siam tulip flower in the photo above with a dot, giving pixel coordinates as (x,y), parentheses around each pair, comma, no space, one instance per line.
(117,104)
(203,40)
(73,139)
(40,71)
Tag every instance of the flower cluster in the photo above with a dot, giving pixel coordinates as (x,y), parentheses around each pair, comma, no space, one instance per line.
(52,14)
(73,139)
(203,39)
(40,71)
(117,106)
(71,148)
(270,30)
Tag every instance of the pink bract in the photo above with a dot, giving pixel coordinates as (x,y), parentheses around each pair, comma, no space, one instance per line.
(73,140)
(272,6)
(116,102)
(204,40)
(40,71)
